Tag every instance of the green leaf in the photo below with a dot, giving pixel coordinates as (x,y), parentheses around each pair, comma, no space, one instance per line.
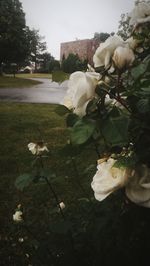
(23,181)
(62,110)
(71,119)
(83,199)
(125,162)
(82,131)
(115,130)
(89,169)
(147,90)
(143,105)
(139,70)
(143,93)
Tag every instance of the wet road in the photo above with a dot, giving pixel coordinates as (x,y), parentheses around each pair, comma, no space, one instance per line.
(46,92)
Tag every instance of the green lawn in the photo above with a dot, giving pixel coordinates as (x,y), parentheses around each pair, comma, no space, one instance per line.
(25,80)
(34,75)
(93,233)
(21,124)
(59,76)
(11,82)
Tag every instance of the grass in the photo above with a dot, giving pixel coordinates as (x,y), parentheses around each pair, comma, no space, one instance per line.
(59,76)
(34,75)
(114,226)
(21,124)
(25,80)
(11,82)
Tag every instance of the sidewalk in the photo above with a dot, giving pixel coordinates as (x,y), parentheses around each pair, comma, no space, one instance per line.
(46,92)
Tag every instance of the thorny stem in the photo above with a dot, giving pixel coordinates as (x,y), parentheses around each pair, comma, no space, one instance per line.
(55,196)
(57,202)
(118,84)
(96,149)
(52,190)
(118,99)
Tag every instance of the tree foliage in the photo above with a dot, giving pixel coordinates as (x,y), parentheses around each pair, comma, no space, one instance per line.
(13,42)
(73,63)
(18,43)
(102,36)
(36,46)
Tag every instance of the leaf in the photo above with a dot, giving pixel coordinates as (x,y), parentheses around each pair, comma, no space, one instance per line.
(82,131)
(115,130)
(125,162)
(139,70)
(89,169)
(62,110)
(83,199)
(23,181)
(143,105)
(147,90)
(143,92)
(71,119)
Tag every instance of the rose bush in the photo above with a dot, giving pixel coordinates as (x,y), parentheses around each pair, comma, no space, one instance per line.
(112,105)
(107,111)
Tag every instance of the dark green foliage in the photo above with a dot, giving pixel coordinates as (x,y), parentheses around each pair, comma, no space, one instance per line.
(37,47)
(123,29)
(48,63)
(82,130)
(18,44)
(23,181)
(101,37)
(59,76)
(62,110)
(115,130)
(73,63)
(13,42)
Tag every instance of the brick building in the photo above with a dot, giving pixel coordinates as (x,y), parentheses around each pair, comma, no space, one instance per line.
(84,48)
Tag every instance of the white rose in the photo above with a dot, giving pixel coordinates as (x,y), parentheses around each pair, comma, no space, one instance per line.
(140,14)
(123,57)
(132,43)
(62,205)
(104,52)
(138,189)
(108,179)
(17,217)
(37,148)
(81,89)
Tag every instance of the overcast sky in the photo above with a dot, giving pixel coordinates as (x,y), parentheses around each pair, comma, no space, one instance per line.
(65,20)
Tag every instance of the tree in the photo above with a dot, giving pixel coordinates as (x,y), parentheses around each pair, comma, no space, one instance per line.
(124,29)
(48,63)
(13,42)
(37,46)
(73,63)
(101,37)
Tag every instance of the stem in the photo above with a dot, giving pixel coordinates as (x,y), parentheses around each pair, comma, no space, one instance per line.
(55,196)
(96,149)
(118,99)
(57,202)
(52,189)
(118,84)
